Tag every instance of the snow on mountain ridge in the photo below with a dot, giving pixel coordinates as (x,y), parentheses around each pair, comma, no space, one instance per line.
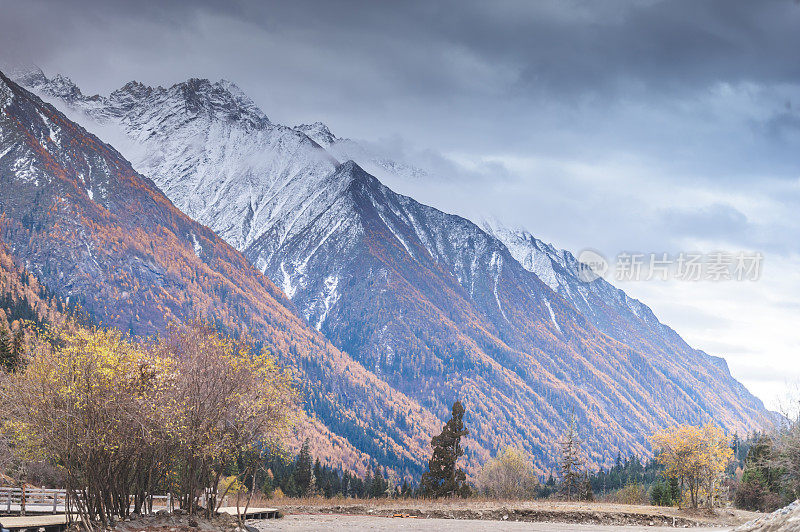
(559,269)
(367,156)
(211,150)
(260,185)
(319,132)
(242,175)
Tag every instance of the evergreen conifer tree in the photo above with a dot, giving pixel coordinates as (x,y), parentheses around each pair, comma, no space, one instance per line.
(379,485)
(443,478)
(571,463)
(303,474)
(7,362)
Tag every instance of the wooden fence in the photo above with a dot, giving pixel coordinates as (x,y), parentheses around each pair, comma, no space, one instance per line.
(43,500)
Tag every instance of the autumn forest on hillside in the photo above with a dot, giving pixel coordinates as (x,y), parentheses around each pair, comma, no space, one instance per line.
(199,413)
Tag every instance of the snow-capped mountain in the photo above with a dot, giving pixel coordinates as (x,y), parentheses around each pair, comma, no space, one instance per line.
(77,216)
(209,148)
(434,305)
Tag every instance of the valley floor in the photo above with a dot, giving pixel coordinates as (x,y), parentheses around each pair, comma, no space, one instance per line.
(557,516)
(311,522)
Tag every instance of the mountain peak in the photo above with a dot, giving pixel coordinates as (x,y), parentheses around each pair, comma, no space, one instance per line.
(59,86)
(220,99)
(354,172)
(28,75)
(65,88)
(318,132)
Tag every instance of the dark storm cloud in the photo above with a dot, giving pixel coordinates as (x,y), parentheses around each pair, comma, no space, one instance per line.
(565,46)
(568,48)
(696,91)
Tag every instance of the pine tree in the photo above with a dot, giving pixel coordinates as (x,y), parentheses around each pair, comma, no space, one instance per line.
(571,463)
(10,348)
(303,474)
(318,475)
(443,478)
(674,490)
(17,347)
(379,485)
(367,488)
(290,487)
(586,493)
(6,356)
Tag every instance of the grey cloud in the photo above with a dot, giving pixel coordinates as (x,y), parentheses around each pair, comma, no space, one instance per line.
(714,221)
(783,126)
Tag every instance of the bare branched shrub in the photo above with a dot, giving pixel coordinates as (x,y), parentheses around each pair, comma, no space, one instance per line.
(785,456)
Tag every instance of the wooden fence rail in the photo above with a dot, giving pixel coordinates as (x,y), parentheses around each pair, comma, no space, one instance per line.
(19,499)
(43,500)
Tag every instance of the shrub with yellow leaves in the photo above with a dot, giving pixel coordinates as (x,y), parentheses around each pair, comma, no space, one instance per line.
(509,476)
(697,456)
(126,419)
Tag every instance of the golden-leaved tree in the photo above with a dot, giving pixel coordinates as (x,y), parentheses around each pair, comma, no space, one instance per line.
(695,455)
(126,419)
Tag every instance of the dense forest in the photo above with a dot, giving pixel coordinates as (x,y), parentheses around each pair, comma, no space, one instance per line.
(303,475)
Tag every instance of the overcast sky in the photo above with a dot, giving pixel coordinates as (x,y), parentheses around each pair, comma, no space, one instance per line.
(638,126)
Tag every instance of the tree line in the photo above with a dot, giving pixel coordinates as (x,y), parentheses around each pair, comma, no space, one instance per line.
(304,476)
(770,477)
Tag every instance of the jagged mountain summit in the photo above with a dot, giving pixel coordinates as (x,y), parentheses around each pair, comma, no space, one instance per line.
(433,305)
(77,216)
(254,172)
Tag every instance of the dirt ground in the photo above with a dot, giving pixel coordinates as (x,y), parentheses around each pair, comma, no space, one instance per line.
(309,523)
(493,515)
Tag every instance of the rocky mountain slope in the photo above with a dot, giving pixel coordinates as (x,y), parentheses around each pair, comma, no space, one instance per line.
(77,216)
(430,303)
(608,308)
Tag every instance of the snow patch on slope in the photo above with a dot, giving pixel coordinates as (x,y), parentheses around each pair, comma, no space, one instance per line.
(287,286)
(552,315)
(6,151)
(331,296)
(198,249)
(497,267)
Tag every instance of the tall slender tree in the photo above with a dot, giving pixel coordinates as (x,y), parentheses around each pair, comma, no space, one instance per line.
(444,478)
(7,359)
(571,463)
(304,474)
